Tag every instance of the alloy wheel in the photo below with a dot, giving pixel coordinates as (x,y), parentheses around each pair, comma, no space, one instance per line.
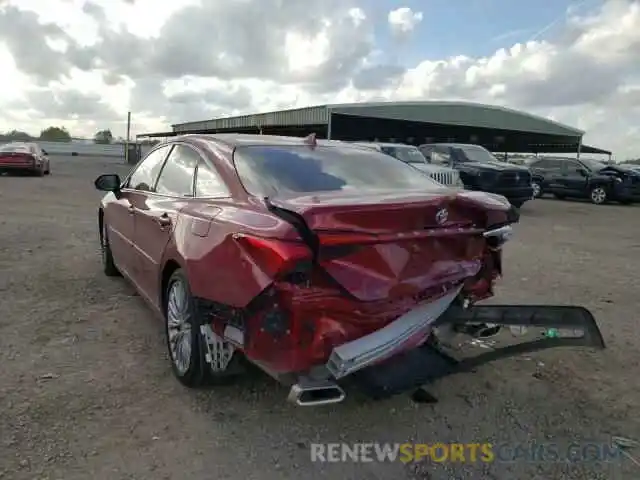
(179,326)
(536,189)
(104,244)
(598,195)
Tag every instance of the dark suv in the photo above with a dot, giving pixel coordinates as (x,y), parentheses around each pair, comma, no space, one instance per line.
(585,178)
(479,169)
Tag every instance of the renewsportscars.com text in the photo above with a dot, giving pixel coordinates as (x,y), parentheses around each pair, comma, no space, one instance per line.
(464,452)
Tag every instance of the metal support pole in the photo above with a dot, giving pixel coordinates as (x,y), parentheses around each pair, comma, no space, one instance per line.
(126,143)
(579,148)
(329,125)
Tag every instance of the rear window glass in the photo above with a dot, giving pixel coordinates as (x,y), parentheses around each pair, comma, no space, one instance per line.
(15,147)
(267,170)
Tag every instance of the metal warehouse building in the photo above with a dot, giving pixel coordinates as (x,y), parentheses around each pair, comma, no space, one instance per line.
(496,128)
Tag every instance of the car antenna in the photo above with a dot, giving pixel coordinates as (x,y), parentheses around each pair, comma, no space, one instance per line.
(311,140)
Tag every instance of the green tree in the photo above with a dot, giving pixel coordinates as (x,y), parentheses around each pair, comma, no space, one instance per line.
(103,136)
(55,134)
(15,135)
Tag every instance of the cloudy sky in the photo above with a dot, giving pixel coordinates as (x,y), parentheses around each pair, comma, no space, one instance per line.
(84,64)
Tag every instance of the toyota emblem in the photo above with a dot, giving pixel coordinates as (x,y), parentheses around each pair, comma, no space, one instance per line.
(441,216)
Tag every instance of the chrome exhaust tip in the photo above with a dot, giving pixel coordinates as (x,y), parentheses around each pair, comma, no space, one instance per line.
(479,330)
(488,330)
(308,394)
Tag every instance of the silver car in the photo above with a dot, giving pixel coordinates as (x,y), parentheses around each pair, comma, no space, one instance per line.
(412,155)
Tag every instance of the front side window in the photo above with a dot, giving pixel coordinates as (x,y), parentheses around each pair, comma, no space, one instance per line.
(145,175)
(407,154)
(554,165)
(572,166)
(441,156)
(268,170)
(176,178)
(593,165)
(475,153)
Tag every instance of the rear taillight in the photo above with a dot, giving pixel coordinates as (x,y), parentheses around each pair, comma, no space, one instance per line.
(275,257)
(17,157)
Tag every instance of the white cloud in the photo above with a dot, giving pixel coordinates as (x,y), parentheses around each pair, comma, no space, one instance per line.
(403,20)
(86,64)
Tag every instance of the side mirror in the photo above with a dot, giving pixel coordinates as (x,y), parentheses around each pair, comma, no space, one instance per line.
(108,183)
(583,172)
(44,152)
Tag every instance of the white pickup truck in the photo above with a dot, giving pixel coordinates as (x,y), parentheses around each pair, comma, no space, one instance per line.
(412,156)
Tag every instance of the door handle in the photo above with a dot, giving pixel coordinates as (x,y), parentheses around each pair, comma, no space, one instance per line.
(131,209)
(163,220)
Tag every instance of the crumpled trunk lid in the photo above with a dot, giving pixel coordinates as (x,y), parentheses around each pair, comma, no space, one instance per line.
(388,245)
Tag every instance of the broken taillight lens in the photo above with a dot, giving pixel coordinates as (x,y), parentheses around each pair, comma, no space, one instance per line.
(275,257)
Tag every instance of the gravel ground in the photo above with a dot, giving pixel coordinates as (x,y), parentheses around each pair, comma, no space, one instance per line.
(86,389)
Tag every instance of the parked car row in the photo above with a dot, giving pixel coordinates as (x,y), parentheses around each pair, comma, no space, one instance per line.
(471,167)
(475,168)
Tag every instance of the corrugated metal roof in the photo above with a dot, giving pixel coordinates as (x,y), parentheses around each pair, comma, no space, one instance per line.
(317,115)
(460,114)
(445,113)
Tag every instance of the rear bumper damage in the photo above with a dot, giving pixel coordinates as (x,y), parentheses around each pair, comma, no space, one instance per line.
(413,327)
(459,340)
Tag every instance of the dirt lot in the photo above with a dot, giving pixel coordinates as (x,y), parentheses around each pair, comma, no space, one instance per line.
(86,389)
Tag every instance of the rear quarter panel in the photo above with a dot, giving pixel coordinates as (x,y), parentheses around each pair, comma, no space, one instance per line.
(216,266)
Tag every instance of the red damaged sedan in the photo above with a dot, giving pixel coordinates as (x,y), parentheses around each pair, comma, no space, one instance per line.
(325,264)
(24,158)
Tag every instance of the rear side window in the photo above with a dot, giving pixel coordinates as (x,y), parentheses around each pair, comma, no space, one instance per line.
(209,183)
(176,178)
(145,175)
(268,170)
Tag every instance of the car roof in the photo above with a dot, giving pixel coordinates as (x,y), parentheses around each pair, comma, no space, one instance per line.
(447,144)
(384,144)
(244,139)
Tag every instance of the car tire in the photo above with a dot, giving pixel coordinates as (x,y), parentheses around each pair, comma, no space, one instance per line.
(108,265)
(517,204)
(537,189)
(598,195)
(186,344)
(39,172)
(559,197)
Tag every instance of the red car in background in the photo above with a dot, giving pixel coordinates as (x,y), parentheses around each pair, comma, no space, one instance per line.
(323,263)
(24,157)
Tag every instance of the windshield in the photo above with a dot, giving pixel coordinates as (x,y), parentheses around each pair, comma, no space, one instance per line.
(474,153)
(406,154)
(269,170)
(593,165)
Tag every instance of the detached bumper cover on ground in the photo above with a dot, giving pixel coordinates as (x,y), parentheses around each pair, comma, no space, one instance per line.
(524,329)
